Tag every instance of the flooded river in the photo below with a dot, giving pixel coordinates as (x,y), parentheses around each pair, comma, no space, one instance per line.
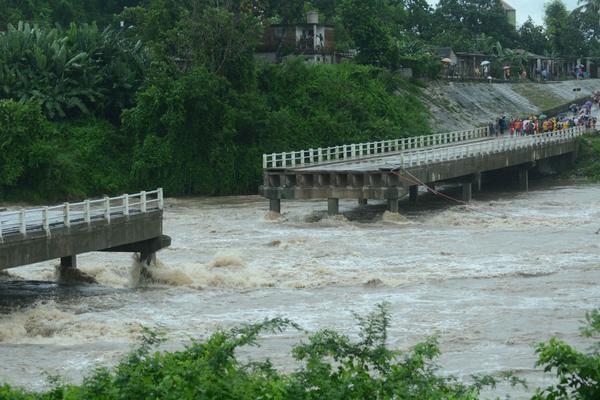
(490,280)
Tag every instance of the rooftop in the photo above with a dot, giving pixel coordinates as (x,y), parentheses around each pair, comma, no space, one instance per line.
(506,6)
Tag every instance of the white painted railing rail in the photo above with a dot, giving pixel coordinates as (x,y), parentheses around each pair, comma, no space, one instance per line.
(499,145)
(25,221)
(361,150)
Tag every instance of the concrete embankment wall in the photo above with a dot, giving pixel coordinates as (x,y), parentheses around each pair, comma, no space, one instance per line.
(462,105)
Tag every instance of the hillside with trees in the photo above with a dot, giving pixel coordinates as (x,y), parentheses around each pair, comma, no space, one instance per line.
(100,97)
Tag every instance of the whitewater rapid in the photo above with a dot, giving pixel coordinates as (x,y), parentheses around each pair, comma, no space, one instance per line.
(490,280)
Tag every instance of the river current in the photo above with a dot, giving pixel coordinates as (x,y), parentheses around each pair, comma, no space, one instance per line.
(490,280)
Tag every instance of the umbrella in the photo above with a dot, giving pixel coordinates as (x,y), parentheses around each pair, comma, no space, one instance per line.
(484,63)
(446,60)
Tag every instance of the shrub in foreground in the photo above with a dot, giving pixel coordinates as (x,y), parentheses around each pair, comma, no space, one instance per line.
(332,366)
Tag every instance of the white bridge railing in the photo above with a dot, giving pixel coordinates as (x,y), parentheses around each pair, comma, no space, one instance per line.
(362,150)
(24,221)
(502,144)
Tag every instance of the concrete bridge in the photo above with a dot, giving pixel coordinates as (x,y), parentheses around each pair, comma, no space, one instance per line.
(392,169)
(128,223)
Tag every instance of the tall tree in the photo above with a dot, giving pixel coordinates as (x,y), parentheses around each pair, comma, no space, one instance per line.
(458,22)
(533,37)
(372,38)
(562,27)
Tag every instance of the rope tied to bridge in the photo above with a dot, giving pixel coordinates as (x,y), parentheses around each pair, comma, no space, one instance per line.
(411,179)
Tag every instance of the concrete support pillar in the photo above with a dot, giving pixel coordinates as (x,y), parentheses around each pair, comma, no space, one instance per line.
(148,258)
(467,191)
(275,205)
(524,179)
(413,194)
(333,206)
(68,262)
(67,273)
(393,205)
(477,181)
(363,202)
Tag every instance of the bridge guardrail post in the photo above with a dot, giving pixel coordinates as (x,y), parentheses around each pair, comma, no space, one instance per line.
(143,205)
(67,215)
(161,202)
(107,209)
(23,222)
(86,212)
(46,222)
(126,205)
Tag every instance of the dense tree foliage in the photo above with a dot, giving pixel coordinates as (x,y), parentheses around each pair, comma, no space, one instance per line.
(71,71)
(173,94)
(186,147)
(458,22)
(63,12)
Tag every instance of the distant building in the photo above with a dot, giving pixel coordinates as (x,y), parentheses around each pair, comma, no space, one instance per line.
(446,53)
(511,13)
(311,40)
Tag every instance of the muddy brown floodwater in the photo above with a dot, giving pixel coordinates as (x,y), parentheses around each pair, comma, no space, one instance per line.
(490,280)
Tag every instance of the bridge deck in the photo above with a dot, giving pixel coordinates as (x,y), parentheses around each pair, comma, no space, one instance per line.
(128,223)
(380,176)
(384,162)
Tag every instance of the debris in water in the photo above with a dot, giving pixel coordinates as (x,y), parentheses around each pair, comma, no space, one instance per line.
(226,260)
(373,283)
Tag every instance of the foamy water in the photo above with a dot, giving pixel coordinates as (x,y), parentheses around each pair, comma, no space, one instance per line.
(491,280)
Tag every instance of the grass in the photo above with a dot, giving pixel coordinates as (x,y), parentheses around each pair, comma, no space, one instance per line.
(539,96)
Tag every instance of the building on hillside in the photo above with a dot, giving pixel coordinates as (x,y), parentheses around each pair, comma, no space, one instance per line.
(313,41)
(469,65)
(445,53)
(511,13)
(447,56)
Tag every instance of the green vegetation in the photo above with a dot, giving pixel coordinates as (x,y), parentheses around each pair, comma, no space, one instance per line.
(543,99)
(329,365)
(146,93)
(292,106)
(588,162)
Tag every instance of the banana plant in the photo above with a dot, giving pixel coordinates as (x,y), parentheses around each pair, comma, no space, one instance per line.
(70,71)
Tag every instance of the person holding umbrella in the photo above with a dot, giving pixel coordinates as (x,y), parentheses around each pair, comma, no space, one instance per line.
(447,62)
(506,72)
(486,67)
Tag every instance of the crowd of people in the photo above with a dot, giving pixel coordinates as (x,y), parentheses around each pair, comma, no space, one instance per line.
(532,125)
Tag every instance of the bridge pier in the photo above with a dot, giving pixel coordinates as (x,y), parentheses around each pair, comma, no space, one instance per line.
(148,258)
(68,262)
(275,205)
(393,205)
(477,181)
(524,179)
(67,273)
(333,206)
(467,192)
(413,194)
